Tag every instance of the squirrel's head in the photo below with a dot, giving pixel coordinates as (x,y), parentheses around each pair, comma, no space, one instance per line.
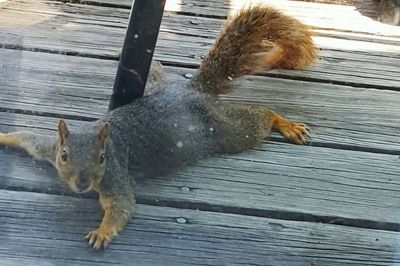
(81,159)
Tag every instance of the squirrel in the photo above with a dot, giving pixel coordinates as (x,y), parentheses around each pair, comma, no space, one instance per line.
(180,123)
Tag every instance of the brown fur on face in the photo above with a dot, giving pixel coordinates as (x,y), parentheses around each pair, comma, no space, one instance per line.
(81,171)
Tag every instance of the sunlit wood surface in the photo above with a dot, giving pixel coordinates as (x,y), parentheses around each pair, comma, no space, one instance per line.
(333,202)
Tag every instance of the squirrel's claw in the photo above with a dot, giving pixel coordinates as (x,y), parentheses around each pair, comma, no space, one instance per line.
(100,238)
(301,131)
(295,132)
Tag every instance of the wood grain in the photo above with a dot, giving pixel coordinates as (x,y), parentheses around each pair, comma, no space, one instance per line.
(346,58)
(79,88)
(320,15)
(49,230)
(277,204)
(295,182)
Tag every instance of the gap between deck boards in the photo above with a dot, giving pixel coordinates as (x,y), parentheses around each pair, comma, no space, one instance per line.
(216,11)
(216,208)
(321,31)
(274,137)
(48,234)
(195,66)
(319,77)
(151,199)
(176,74)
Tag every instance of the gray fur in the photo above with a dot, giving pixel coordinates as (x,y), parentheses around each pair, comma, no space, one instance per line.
(178,123)
(158,134)
(41,147)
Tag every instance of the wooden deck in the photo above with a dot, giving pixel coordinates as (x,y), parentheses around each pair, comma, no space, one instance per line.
(334,202)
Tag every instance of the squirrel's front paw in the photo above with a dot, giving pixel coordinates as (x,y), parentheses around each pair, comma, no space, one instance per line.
(295,132)
(100,237)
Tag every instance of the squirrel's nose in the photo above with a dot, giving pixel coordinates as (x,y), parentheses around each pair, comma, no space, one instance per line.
(82,186)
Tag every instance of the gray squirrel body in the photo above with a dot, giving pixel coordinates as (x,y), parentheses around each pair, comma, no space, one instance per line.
(181,123)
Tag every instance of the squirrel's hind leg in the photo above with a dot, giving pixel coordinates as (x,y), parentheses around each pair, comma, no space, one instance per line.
(244,126)
(292,131)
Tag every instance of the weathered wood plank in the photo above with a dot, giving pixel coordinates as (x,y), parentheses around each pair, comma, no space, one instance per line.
(197,9)
(76,87)
(330,16)
(117,17)
(336,185)
(362,62)
(49,229)
(273,180)
(194,8)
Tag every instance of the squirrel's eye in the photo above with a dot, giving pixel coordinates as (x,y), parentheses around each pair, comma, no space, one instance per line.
(64,155)
(102,158)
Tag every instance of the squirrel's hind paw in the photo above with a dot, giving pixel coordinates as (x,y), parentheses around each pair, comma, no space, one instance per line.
(295,132)
(100,238)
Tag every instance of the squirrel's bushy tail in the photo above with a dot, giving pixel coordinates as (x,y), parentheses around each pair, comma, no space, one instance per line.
(256,38)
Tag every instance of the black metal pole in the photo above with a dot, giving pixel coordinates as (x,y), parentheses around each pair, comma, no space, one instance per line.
(137,51)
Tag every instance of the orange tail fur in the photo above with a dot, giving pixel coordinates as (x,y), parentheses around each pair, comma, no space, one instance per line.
(256,38)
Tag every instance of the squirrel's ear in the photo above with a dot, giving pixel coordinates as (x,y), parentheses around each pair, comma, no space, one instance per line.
(63,131)
(103,134)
